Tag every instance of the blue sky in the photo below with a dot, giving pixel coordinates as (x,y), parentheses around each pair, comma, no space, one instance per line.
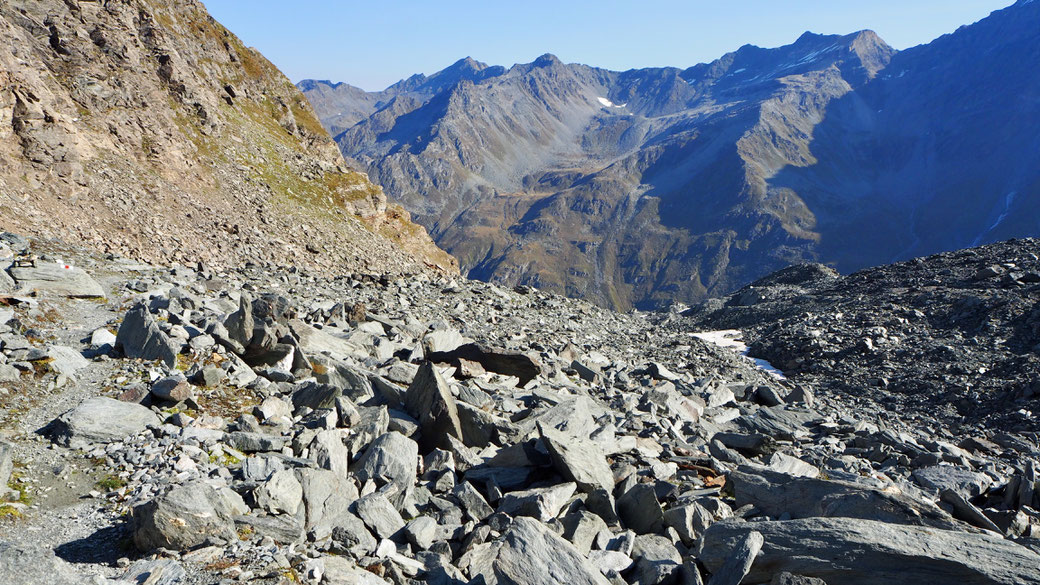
(373,44)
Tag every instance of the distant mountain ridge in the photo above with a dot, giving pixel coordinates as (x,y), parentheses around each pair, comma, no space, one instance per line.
(649,186)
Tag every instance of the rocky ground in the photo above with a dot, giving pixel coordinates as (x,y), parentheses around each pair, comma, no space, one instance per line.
(953,338)
(171,425)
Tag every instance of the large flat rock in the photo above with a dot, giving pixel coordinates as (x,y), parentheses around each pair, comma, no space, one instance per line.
(101,420)
(58,279)
(848,551)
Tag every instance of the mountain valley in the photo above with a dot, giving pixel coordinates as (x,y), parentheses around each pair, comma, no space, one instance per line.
(652,186)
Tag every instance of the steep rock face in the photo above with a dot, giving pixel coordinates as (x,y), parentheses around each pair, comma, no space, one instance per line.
(939,152)
(147,129)
(649,186)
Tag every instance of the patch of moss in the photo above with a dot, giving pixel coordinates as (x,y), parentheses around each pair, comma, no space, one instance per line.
(110,483)
(224,460)
(246,533)
(42,367)
(183,362)
(18,483)
(291,574)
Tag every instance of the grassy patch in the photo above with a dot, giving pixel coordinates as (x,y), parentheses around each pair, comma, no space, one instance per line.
(42,367)
(110,483)
(221,565)
(291,575)
(183,362)
(224,460)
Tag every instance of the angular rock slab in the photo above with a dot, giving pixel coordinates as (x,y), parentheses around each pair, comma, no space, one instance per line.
(327,498)
(501,361)
(391,456)
(25,563)
(965,482)
(65,360)
(280,494)
(849,551)
(541,503)
(429,400)
(733,571)
(185,517)
(155,572)
(58,279)
(640,510)
(101,420)
(380,515)
(6,463)
(578,460)
(343,571)
(528,553)
(778,493)
(140,337)
(7,284)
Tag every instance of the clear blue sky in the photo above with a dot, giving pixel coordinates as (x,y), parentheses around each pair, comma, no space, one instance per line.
(373,44)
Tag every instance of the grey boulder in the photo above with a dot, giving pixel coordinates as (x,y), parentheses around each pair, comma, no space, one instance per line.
(541,503)
(528,553)
(380,515)
(429,400)
(777,493)
(343,571)
(736,567)
(101,420)
(965,482)
(65,360)
(327,498)
(155,572)
(640,510)
(281,494)
(849,551)
(58,279)
(140,337)
(186,516)
(393,457)
(578,460)
(328,452)
(34,564)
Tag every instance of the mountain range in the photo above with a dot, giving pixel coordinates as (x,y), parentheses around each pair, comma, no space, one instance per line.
(653,186)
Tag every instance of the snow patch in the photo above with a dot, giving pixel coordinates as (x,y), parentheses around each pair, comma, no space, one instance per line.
(731,339)
(1009,199)
(609,104)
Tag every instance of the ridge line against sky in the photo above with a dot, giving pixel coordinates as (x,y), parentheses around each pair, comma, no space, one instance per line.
(372,45)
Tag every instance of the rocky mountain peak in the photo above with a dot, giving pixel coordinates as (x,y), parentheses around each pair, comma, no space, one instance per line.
(468,63)
(547,60)
(873,52)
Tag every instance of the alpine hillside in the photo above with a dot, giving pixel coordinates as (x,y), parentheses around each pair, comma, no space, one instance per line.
(651,186)
(147,129)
